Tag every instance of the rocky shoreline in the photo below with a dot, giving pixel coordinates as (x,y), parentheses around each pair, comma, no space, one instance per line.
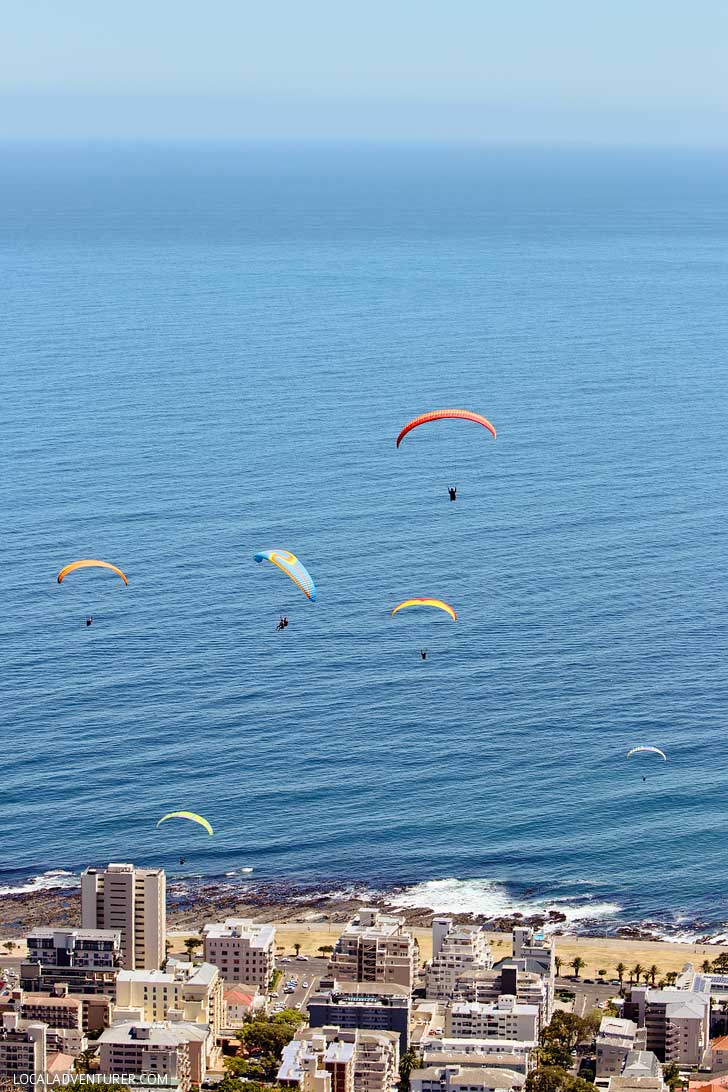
(189,908)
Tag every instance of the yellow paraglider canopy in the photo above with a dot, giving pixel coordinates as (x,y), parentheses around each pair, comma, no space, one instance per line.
(88,565)
(191,815)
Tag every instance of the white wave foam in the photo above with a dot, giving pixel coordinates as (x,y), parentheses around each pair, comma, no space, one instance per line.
(53,879)
(492,900)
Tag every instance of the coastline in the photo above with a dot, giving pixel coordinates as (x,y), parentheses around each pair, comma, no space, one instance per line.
(313,920)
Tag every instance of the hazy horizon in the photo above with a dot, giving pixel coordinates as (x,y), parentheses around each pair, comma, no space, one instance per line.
(474,73)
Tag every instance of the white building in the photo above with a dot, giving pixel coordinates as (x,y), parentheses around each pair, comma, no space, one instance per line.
(505,1018)
(676,1022)
(457,1078)
(356,1061)
(243,951)
(488,1053)
(132,900)
(457,950)
(23,1048)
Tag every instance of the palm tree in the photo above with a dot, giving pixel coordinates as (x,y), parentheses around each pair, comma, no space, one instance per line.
(557,963)
(83,1061)
(653,973)
(671,977)
(706,966)
(577,963)
(620,968)
(297,948)
(635,973)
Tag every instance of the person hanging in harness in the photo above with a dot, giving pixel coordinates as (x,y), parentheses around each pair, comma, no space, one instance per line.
(453,491)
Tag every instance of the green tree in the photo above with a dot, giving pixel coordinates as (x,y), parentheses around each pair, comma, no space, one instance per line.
(577,963)
(264,1038)
(190,944)
(620,968)
(325,949)
(297,947)
(85,1060)
(706,966)
(602,973)
(671,977)
(671,1076)
(234,1084)
(409,1061)
(636,973)
(720,963)
(10,945)
(558,961)
(556,1079)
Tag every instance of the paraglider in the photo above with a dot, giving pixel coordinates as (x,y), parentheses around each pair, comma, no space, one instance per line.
(647,750)
(423,653)
(292,567)
(282,623)
(453,491)
(438,603)
(89,621)
(439,415)
(191,815)
(87,565)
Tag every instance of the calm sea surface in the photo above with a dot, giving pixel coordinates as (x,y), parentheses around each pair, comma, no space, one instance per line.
(208,352)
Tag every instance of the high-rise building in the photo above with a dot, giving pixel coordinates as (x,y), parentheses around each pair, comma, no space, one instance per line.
(375,947)
(505,1018)
(132,900)
(676,1022)
(332,1059)
(173,1053)
(241,950)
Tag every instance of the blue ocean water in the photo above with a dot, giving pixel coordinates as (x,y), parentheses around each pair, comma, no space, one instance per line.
(210,351)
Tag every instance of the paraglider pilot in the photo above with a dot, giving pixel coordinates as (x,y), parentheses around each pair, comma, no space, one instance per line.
(453,491)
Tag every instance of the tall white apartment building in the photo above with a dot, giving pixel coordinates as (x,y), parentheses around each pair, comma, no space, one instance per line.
(459,950)
(505,1018)
(375,947)
(132,900)
(241,950)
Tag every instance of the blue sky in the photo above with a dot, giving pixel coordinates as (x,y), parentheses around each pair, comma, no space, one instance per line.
(594,71)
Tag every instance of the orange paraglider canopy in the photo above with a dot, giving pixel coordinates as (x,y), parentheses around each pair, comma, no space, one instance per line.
(88,565)
(439,415)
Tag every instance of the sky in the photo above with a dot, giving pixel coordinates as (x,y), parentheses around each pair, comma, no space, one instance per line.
(498,71)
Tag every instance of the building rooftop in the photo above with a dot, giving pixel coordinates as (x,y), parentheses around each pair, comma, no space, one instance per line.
(161,1033)
(472,1075)
(260,936)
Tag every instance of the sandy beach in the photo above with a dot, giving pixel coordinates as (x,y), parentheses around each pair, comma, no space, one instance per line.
(317,922)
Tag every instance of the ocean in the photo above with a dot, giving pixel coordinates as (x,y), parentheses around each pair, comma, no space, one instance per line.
(209,351)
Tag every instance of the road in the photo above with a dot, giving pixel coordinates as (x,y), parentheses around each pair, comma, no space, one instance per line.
(587,995)
(308,971)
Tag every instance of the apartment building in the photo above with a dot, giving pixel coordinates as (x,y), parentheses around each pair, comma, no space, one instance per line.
(528,987)
(86,960)
(194,994)
(488,1053)
(381,1007)
(355,1060)
(132,900)
(174,1052)
(241,950)
(61,1014)
(505,1018)
(676,1022)
(615,1039)
(375,947)
(23,1048)
(457,950)
(457,1078)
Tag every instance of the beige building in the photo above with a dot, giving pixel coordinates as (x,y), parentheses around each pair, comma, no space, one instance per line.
(458,1078)
(23,1049)
(242,951)
(345,1061)
(375,948)
(182,992)
(132,900)
(175,1051)
(62,1015)
(457,950)
(505,1018)
(676,1022)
